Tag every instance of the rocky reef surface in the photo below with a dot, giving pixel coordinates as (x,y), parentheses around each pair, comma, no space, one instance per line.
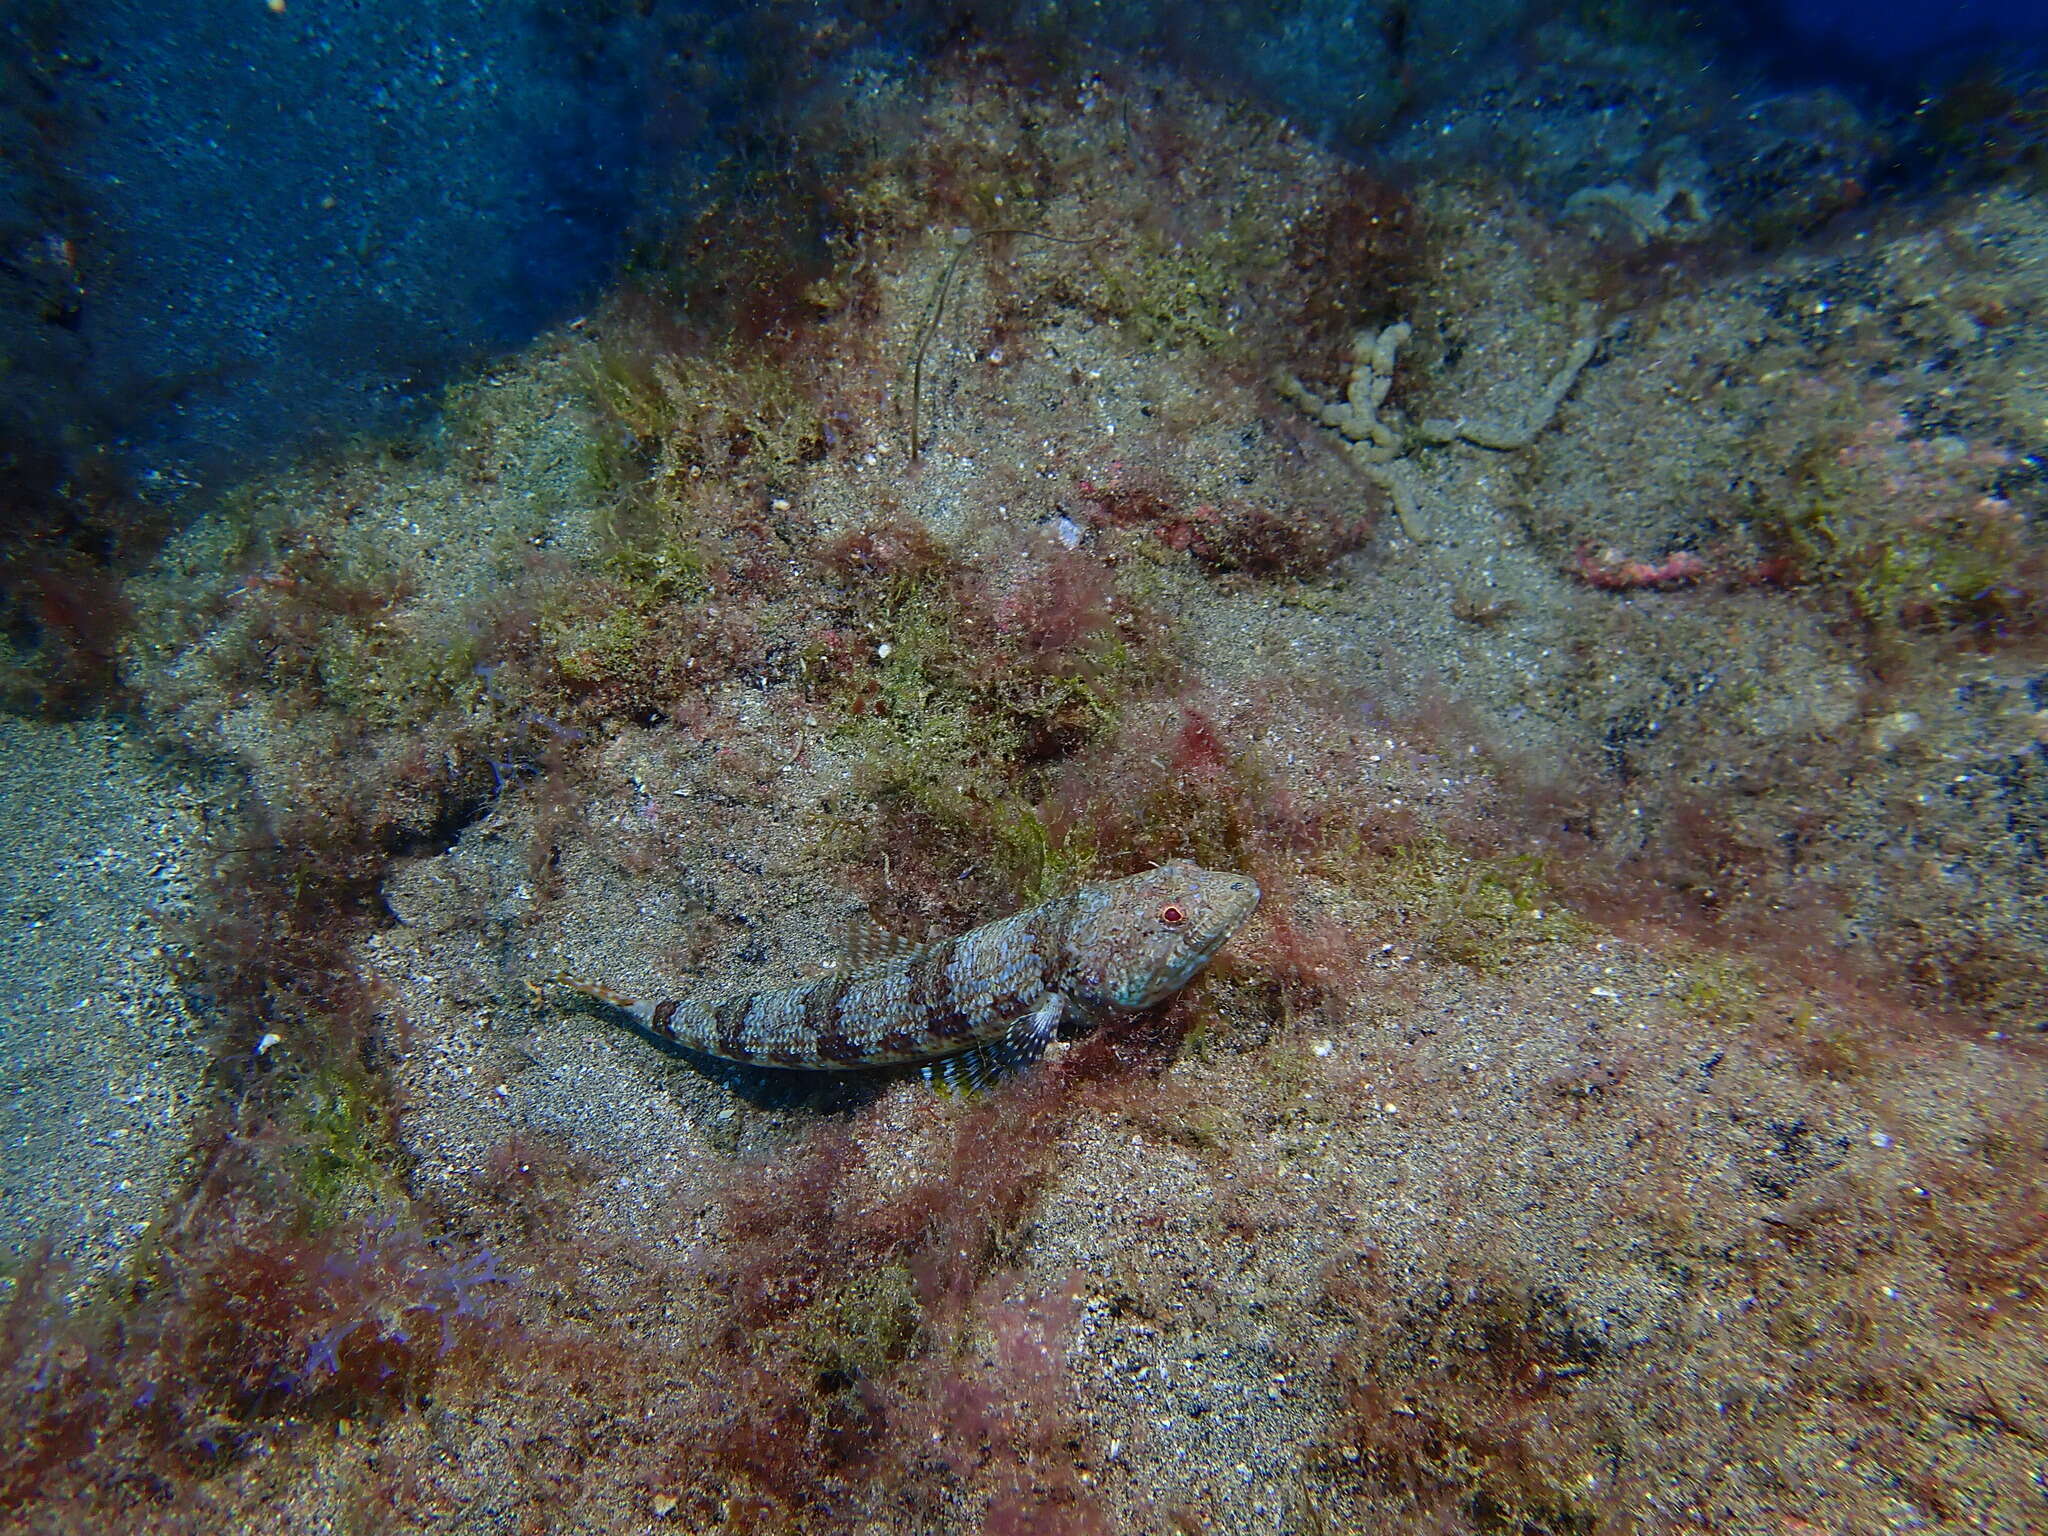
(1597,591)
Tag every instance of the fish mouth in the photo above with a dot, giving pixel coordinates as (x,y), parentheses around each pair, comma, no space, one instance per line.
(1244,894)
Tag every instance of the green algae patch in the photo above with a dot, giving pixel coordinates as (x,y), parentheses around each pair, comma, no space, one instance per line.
(1475,912)
(1905,529)
(863,1325)
(592,650)
(340,1160)
(1177,295)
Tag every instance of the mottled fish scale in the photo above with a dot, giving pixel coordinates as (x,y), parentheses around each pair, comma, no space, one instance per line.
(1117,944)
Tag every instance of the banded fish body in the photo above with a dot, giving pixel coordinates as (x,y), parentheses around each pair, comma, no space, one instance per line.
(973,1006)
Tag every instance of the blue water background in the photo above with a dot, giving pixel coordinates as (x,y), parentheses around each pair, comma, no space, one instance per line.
(295,225)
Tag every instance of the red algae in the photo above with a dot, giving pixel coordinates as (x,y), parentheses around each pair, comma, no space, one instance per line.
(1620,1117)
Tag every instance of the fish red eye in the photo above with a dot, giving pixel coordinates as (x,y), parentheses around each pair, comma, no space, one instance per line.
(1172,915)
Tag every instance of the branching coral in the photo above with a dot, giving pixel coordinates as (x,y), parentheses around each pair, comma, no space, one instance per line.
(1380,446)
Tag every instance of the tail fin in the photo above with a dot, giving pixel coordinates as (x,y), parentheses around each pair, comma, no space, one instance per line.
(538,991)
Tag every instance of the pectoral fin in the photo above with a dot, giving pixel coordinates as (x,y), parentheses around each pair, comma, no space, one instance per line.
(979,1069)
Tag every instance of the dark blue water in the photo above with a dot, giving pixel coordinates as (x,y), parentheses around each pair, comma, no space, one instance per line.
(234,230)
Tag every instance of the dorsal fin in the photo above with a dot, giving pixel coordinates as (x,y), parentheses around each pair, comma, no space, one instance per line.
(865,945)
